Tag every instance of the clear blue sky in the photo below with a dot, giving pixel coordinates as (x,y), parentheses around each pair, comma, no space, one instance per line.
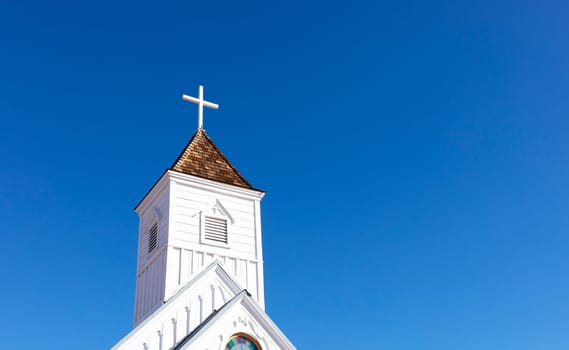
(415,156)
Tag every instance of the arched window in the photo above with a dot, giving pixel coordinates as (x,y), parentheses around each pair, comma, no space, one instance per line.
(242,341)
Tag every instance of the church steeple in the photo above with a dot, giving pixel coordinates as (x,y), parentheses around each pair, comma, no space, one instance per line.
(199,274)
(201,210)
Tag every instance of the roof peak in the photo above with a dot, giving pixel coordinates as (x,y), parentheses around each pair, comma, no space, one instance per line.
(202,158)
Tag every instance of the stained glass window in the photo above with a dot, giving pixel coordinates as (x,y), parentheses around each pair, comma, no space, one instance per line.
(241,342)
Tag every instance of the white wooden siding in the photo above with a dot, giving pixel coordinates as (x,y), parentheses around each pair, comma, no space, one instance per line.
(180,200)
(150,281)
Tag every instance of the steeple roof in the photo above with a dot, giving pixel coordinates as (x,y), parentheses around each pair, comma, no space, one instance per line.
(202,158)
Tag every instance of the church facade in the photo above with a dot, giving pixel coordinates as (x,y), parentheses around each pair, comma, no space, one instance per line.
(199,280)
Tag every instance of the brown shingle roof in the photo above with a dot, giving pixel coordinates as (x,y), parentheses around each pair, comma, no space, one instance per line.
(202,158)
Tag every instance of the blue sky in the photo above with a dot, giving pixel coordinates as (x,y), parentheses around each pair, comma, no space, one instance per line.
(415,157)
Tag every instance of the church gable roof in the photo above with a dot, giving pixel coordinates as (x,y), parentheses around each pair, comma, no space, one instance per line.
(234,311)
(202,158)
(241,314)
(226,289)
(211,318)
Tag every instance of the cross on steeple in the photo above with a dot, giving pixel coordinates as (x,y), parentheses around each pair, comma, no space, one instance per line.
(201,103)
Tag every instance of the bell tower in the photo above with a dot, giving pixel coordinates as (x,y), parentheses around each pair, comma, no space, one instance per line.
(200,210)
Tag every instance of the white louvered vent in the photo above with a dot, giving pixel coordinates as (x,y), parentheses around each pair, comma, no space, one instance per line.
(152,238)
(215,229)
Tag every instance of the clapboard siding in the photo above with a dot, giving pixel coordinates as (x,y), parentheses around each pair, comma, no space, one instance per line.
(150,282)
(187,204)
(178,202)
(188,255)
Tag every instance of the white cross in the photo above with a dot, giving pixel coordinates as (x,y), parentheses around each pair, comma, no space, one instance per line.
(201,103)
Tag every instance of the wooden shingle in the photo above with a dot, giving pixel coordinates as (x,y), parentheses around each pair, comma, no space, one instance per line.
(202,158)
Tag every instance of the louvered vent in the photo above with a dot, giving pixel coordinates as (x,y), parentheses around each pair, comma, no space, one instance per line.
(152,238)
(215,229)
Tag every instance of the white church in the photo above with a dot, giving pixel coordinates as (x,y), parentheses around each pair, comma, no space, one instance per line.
(199,279)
